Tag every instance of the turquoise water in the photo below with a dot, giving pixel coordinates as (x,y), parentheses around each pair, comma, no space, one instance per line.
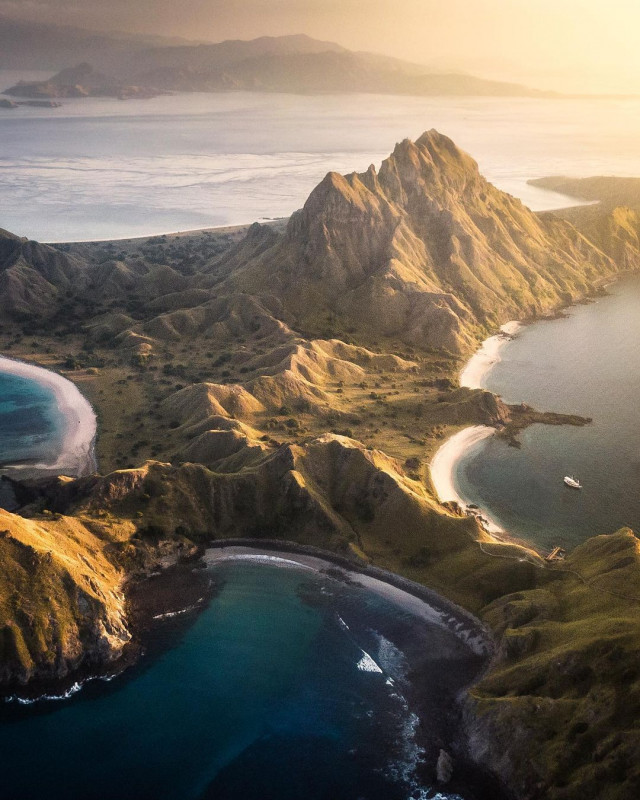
(29,421)
(587,364)
(263,695)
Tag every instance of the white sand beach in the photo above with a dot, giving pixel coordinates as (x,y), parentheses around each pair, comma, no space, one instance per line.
(80,425)
(483,361)
(445,461)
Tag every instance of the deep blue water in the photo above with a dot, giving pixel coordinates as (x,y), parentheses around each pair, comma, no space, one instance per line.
(262,695)
(587,364)
(29,421)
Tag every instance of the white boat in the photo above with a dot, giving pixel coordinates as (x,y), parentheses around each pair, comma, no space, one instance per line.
(574,483)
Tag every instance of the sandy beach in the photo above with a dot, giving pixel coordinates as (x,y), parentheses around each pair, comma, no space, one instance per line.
(80,425)
(445,461)
(422,603)
(484,359)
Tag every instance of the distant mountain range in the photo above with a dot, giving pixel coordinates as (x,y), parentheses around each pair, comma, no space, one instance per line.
(122,65)
(39,46)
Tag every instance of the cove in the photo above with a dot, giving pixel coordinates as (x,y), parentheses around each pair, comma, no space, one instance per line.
(47,427)
(292,683)
(585,363)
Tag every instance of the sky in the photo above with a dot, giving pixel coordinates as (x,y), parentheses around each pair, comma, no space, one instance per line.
(568,45)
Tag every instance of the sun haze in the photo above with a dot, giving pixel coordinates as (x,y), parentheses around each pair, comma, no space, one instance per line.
(585,46)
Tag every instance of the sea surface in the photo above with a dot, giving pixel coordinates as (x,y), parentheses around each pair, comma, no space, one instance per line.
(281,688)
(588,364)
(31,427)
(30,424)
(98,168)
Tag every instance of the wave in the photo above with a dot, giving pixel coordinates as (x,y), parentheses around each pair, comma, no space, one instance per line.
(367,664)
(70,692)
(186,610)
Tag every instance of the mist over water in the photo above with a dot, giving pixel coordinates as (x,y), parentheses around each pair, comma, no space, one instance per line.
(587,364)
(99,168)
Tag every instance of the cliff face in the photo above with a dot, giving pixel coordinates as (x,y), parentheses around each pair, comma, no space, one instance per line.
(61,600)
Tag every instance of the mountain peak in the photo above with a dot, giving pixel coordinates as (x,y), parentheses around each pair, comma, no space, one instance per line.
(423,249)
(430,163)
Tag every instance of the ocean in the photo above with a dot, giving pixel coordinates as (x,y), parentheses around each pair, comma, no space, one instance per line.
(282,687)
(30,424)
(588,364)
(99,168)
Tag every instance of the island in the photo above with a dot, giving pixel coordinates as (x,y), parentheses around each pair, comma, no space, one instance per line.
(291,382)
(99,65)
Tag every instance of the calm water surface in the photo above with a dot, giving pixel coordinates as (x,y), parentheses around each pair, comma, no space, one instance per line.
(30,424)
(587,364)
(281,688)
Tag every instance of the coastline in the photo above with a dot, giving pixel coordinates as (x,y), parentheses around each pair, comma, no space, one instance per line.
(487,356)
(443,470)
(444,463)
(216,230)
(421,610)
(436,720)
(77,456)
(472,376)
(420,601)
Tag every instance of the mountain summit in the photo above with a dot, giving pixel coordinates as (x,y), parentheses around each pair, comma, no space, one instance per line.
(423,250)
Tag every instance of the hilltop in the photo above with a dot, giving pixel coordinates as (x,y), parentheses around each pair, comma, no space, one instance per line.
(292,382)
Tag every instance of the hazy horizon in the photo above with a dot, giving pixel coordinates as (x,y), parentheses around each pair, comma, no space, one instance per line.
(570,46)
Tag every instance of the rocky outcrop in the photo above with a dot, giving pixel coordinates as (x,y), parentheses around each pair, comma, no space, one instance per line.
(61,600)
